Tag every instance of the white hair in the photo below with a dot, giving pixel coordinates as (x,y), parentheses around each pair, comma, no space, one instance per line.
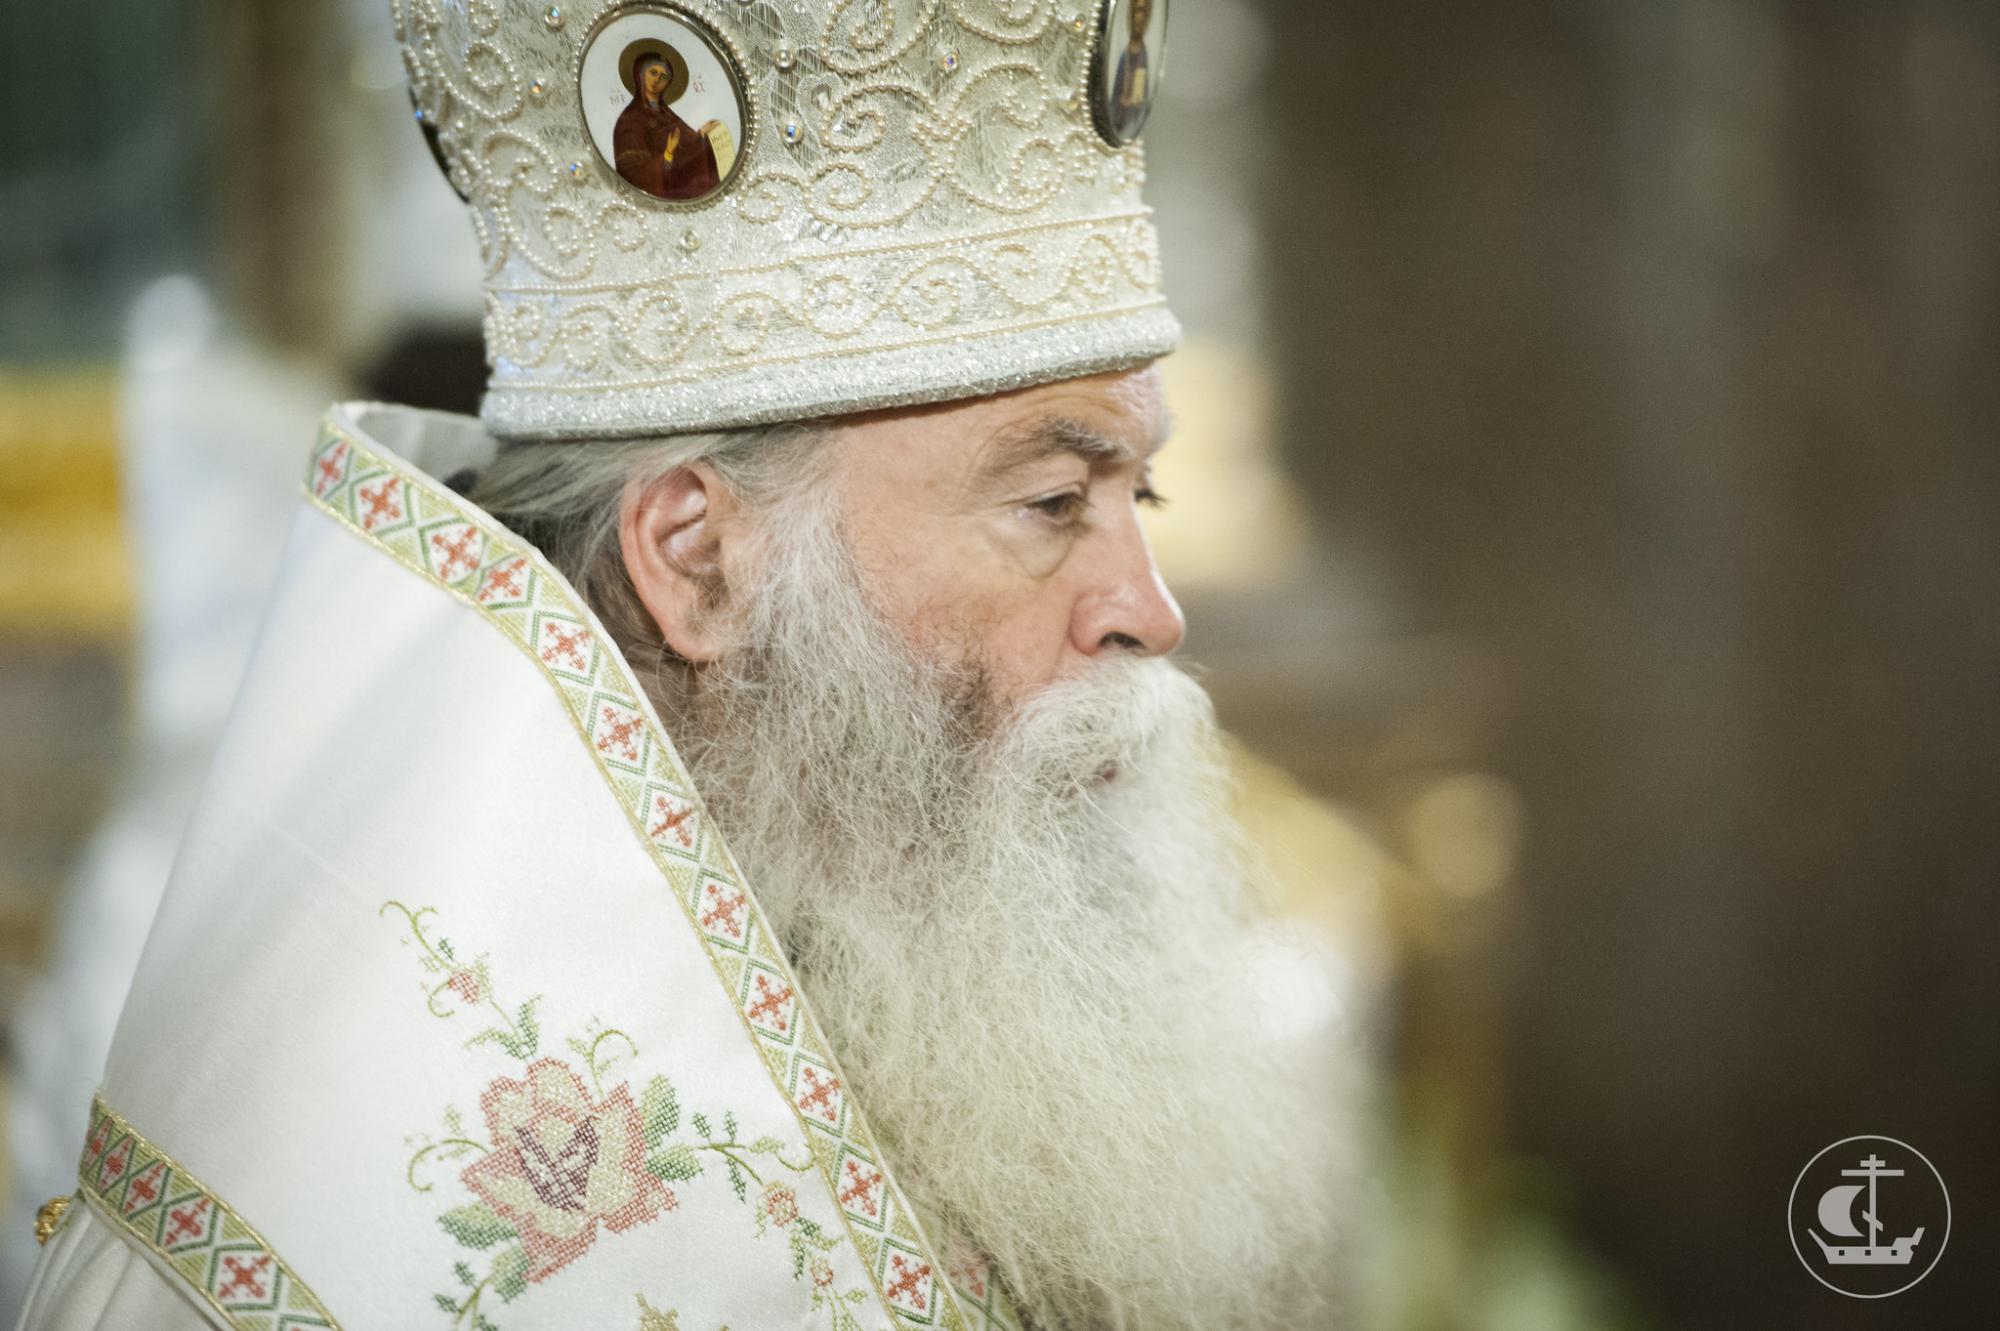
(1022,925)
(564,498)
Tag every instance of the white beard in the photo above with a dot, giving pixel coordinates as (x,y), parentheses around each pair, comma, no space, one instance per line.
(1031,974)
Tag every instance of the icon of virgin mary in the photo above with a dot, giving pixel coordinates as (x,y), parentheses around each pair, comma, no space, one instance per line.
(652,147)
(1131,97)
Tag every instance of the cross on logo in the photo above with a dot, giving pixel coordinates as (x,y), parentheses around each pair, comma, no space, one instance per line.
(619,731)
(820,1097)
(862,1190)
(246,1277)
(187,1221)
(329,468)
(381,501)
(772,1003)
(671,820)
(464,550)
(905,1283)
(721,915)
(568,645)
(501,581)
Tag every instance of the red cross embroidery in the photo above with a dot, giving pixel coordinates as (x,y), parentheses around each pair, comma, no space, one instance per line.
(187,1220)
(671,819)
(381,501)
(772,1003)
(501,581)
(620,732)
(862,1190)
(100,1138)
(568,645)
(246,1277)
(461,551)
(114,1164)
(329,468)
(722,914)
(820,1097)
(905,1283)
(143,1189)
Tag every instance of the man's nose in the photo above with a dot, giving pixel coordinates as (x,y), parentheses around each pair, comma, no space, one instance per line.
(1130,608)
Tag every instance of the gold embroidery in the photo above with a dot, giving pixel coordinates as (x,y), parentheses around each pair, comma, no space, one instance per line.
(49,1219)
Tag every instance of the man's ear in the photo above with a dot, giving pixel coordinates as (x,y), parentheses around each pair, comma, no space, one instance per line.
(675,533)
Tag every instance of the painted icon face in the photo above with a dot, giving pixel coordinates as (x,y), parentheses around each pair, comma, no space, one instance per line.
(656,80)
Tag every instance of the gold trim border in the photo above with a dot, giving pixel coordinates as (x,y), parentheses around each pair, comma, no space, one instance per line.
(180,1222)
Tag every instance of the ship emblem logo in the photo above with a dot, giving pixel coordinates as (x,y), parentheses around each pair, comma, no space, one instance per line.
(1849,1200)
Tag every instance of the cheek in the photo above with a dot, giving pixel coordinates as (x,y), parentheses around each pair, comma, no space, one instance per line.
(964,600)
(960,587)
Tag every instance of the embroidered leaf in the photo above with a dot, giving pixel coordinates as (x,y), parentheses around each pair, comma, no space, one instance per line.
(659,1111)
(464,1274)
(510,1273)
(476,1226)
(581,1048)
(766,1145)
(531,1035)
(729,1124)
(479,1323)
(444,949)
(446,1302)
(674,1164)
(701,1125)
(737,1181)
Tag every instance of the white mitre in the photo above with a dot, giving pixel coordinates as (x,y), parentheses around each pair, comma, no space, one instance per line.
(917,200)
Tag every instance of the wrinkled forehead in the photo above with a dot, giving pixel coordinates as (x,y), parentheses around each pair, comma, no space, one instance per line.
(1119,418)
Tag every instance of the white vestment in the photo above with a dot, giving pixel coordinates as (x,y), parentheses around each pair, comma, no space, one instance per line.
(457,1012)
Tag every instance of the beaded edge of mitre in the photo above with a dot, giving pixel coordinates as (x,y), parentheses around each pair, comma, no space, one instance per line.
(924,211)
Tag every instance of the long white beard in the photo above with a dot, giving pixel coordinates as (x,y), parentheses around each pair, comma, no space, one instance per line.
(1023,935)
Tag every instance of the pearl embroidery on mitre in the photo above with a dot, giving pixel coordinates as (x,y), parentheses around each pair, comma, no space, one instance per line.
(932,215)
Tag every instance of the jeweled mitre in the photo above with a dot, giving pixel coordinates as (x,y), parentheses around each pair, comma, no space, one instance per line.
(728,212)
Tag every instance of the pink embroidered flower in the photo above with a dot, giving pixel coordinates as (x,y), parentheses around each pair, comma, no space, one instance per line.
(781,1204)
(560,1164)
(822,1273)
(467,984)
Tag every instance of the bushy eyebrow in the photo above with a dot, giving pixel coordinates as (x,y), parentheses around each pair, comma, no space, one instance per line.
(1052,435)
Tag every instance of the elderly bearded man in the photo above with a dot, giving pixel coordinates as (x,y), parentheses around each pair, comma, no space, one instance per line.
(461,1012)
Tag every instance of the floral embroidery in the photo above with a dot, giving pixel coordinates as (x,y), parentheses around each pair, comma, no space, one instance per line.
(516,592)
(472,985)
(561,1164)
(559,1157)
(652,1319)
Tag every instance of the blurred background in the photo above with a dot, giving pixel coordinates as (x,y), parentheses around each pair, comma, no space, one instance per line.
(1586,504)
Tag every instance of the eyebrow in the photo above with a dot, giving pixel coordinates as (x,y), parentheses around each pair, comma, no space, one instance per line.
(1053,435)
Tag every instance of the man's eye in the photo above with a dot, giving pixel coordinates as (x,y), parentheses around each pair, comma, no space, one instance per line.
(1065,509)
(1150,497)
